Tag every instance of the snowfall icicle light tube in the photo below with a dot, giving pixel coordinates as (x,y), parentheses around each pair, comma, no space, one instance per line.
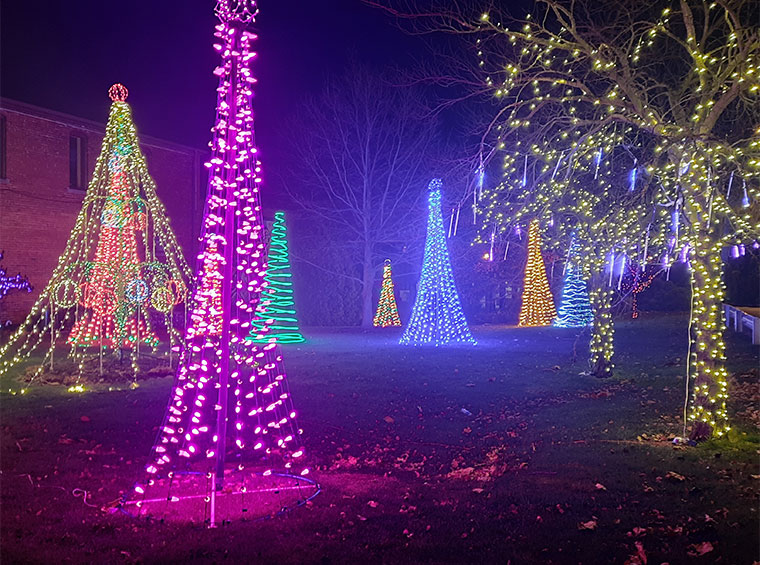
(230,402)
(276,313)
(437,317)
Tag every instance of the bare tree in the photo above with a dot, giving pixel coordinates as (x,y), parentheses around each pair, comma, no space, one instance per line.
(361,167)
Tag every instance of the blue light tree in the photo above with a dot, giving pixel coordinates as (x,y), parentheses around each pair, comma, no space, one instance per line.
(437,317)
(575,307)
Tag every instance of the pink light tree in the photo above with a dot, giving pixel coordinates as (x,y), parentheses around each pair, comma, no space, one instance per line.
(229,429)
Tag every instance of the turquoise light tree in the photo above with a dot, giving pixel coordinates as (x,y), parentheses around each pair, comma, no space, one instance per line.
(437,317)
(276,313)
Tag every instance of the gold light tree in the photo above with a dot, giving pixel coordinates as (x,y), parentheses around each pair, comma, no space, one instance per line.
(668,95)
(537,302)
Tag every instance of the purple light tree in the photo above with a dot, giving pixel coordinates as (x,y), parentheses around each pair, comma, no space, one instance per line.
(229,437)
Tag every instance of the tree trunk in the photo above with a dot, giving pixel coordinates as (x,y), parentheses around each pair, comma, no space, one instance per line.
(708,373)
(368,283)
(602,332)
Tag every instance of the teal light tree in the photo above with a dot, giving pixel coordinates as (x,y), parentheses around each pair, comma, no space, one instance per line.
(437,317)
(575,306)
(276,313)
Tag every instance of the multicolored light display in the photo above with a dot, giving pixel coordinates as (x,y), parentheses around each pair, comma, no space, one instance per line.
(121,262)
(437,317)
(537,302)
(276,313)
(588,110)
(9,283)
(574,307)
(230,410)
(387,310)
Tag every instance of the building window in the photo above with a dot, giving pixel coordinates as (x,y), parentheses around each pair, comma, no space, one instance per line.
(77,162)
(3,149)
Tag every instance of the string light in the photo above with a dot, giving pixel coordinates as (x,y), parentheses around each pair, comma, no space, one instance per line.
(230,400)
(387,311)
(101,300)
(575,307)
(537,302)
(437,316)
(9,283)
(579,113)
(637,283)
(276,314)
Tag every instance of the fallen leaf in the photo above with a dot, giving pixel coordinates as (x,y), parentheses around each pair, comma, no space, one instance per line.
(697,549)
(389,419)
(372,504)
(84,419)
(600,486)
(675,476)
(590,525)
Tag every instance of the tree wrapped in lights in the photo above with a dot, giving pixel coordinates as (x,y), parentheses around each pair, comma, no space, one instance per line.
(101,299)
(574,307)
(437,316)
(387,310)
(588,92)
(229,442)
(537,303)
(276,313)
(637,282)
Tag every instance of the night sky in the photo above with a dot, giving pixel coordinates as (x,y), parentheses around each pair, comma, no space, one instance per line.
(65,55)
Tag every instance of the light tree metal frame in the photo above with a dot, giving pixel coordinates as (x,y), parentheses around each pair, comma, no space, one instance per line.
(230,418)
(121,262)
(672,91)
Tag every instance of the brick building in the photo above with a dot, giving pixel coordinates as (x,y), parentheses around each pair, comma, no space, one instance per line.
(46,161)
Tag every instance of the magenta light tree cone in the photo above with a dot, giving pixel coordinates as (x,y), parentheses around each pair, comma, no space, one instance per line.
(229,446)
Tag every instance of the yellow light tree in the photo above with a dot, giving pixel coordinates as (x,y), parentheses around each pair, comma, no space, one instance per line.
(669,94)
(537,307)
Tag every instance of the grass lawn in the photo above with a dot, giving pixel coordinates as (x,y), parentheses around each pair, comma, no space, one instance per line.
(500,453)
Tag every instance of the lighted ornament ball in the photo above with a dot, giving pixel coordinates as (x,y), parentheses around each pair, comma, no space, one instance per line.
(118,92)
(66,293)
(162,299)
(137,291)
